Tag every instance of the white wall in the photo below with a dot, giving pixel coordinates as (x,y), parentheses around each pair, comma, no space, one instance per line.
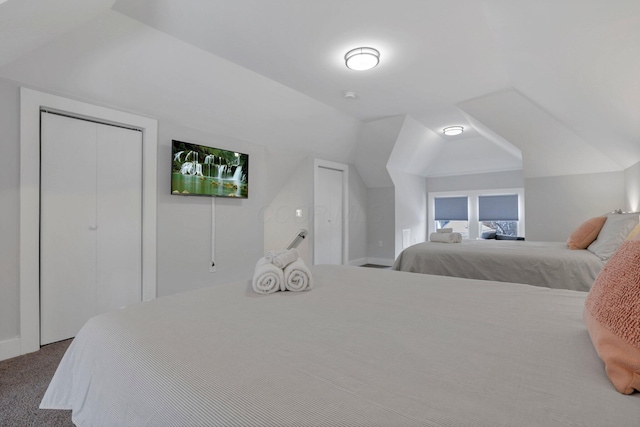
(281,166)
(482,181)
(381,219)
(357,218)
(184,223)
(280,222)
(9,210)
(632,188)
(410,207)
(555,206)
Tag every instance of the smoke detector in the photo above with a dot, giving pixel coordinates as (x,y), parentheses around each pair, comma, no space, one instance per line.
(350,95)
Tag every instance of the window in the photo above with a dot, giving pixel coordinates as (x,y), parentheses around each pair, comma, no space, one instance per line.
(499,214)
(452,212)
(471,213)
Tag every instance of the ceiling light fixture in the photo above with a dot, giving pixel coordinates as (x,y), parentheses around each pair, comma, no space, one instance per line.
(362,58)
(453,130)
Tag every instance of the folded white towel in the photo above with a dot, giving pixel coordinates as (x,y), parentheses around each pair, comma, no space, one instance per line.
(269,256)
(444,230)
(267,278)
(285,258)
(445,237)
(297,277)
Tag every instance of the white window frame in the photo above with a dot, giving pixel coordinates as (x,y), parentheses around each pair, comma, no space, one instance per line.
(472,197)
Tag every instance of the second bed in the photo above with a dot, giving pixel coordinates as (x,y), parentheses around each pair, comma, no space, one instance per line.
(546,264)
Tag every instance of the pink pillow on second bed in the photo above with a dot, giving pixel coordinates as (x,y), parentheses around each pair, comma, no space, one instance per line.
(612,316)
(588,231)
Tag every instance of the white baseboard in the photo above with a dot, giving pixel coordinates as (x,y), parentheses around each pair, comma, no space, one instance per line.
(9,348)
(377,261)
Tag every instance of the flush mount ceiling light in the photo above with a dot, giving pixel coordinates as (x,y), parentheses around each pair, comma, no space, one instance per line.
(453,130)
(362,58)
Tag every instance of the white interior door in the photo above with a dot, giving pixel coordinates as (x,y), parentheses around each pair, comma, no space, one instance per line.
(328,211)
(90,226)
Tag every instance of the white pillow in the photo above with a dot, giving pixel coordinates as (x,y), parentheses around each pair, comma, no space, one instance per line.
(613,234)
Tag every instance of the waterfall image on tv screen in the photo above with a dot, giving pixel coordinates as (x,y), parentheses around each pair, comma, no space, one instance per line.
(198,170)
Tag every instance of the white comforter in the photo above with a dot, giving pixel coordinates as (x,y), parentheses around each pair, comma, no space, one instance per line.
(548,264)
(365,347)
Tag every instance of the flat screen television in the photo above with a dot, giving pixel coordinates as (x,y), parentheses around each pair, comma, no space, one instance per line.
(198,170)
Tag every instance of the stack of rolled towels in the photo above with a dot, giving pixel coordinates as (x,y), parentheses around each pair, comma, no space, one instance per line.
(281,271)
(445,235)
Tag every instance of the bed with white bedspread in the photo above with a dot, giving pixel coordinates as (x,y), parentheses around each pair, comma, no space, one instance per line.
(365,347)
(547,264)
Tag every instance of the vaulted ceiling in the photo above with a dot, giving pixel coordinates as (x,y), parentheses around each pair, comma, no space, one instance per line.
(549,87)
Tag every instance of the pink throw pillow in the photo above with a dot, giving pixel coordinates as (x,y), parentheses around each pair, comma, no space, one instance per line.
(612,316)
(588,231)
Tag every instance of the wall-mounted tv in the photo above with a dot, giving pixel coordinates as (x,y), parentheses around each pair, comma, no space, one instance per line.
(198,170)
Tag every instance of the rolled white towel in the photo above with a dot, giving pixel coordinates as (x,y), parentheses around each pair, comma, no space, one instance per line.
(297,277)
(269,256)
(445,237)
(285,258)
(267,278)
(444,230)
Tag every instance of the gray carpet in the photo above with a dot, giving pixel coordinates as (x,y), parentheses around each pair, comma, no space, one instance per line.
(23,381)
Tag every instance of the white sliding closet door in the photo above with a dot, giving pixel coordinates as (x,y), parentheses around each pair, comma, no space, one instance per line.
(90,226)
(119,217)
(67,216)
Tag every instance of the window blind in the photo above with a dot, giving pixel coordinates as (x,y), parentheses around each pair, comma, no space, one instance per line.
(498,208)
(451,208)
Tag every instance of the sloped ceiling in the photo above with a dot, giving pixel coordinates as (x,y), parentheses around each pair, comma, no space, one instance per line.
(420,151)
(548,147)
(374,148)
(579,61)
(121,62)
(416,148)
(427,55)
(273,73)
(27,25)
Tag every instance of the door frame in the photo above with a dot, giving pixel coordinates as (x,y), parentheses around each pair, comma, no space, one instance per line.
(344,168)
(31,102)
